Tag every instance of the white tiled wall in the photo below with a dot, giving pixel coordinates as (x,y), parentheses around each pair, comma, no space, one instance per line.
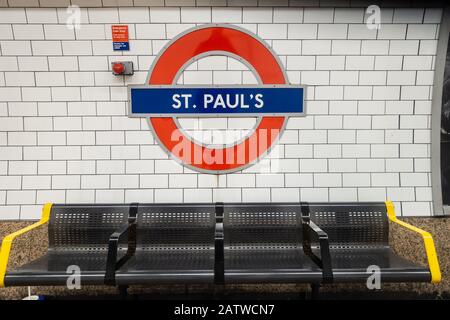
(65,136)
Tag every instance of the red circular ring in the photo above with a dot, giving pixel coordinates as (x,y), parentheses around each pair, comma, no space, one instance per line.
(232,41)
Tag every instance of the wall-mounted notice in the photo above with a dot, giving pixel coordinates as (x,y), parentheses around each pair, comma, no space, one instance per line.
(120,38)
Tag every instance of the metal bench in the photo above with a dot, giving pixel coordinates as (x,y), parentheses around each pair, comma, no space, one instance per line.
(218,243)
(78,235)
(224,243)
(264,244)
(174,244)
(359,238)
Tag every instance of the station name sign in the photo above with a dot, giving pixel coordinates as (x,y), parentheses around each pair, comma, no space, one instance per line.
(216,101)
(272,101)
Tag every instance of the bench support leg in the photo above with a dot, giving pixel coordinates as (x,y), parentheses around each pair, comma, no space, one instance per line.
(315,291)
(123,291)
(218,291)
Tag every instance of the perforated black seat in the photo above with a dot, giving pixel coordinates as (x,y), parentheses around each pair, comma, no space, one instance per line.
(78,236)
(175,244)
(359,237)
(263,243)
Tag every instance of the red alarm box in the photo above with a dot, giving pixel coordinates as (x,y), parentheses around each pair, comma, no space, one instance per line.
(122,68)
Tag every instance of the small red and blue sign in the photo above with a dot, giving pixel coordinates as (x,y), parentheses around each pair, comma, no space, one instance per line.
(120,38)
(273,100)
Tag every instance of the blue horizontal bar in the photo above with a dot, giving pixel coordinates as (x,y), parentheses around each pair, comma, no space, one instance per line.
(218,101)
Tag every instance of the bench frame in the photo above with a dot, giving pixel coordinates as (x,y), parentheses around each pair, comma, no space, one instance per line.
(309,228)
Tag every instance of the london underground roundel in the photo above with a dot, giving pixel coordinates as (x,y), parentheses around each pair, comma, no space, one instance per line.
(273,100)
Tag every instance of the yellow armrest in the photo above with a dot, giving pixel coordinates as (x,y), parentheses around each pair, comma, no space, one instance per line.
(427,240)
(8,240)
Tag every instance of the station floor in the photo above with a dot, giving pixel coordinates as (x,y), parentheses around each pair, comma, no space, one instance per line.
(405,243)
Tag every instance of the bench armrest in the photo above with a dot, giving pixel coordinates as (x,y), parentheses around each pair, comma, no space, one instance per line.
(112,263)
(8,240)
(324,262)
(430,249)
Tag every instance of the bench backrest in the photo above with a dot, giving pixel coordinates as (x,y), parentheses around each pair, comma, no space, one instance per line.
(251,225)
(175,226)
(264,226)
(84,226)
(350,225)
